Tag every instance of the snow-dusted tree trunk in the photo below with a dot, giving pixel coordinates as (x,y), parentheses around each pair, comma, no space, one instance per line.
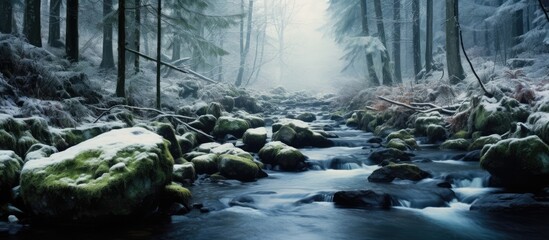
(71,45)
(54,28)
(386,60)
(374,81)
(121,78)
(31,22)
(416,38)
(108,58)
(453,57)
(137,33)
(6,16)
(245,50)
(429,37)
(396,40)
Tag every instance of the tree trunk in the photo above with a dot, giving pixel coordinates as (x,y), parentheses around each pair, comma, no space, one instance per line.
(137,33)
(385,59)
(108,58)
(71,45)
(453,57)
(54,29)
(517,30)
(158,53)
(31,22)
(429,38)
(244,53)
(396,40)
(374,81)
(416,38)
(6,16)
(121,78)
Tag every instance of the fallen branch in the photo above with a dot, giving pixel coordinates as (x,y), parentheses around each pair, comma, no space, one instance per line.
(433,108)
(371,108)
(398,103)
(439,109)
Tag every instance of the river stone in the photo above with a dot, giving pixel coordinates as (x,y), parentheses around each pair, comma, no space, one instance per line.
(255,138)
(480,142)
(230,125)
(510,202)
(278,153)
(38,151)
(114,175)
(184,172)
(228,103)
(402,171)
(297,133)
(285,134)
(540,125)
(389,154)
(7,140)
(491,117)
(306,117)
(206,163)
(436,133)
(215,109)
(174,193)
(455,144)
(208,122)
(520,163)
(402,134)
(10,169)
(254,121)
(363,199)
(167,131)
(423,121)
(239,168)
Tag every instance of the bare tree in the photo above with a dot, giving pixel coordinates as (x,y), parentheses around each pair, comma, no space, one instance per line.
(54,29)
(244,48)
(374,81)
(385,59)
(71,45)
(453,58)
(416,38)
(6,16)
(121,78)
(108,58)
(282,14)
(429,37)
(396,40)
(31,22)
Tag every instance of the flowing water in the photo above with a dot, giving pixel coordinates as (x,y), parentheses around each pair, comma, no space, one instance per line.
(289,205)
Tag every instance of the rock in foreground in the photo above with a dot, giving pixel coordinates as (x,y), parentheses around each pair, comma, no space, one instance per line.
(114,175)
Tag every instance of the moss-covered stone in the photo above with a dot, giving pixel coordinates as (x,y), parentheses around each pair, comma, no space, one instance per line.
(403,171)
(254,121)
(366,120)
(267,154)
(401,134)
(390,154)
(306,117)
(285,134)
(184,172)
(460,134)
(38,151)
(228,103)
(540,125)
(480,142)
(520,163)
(215,109)
(491,117)
(456,144)
(255,138)
(208,122)
(116,174)
(397,143)
(10,169)
(167,131)
(230,125)
(423,121)
(239,168)
(24,143)
(7,140)
(290,159)
(206,163)
(186,143)
(354,120)
(436,133)
(175,193)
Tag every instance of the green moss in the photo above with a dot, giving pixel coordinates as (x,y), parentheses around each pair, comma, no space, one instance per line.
(214,109)
(455,144)
(7,141)
(167,132)
(367,118)
(285,134)
(290,159)
(234,167)
(228,125)
(436,133)
(10,125)
(401,134)
(480,142)
(397,144)
(268,153)
(24,144)
(255,138)
(206,163)
(423,121)
(176,193)
(407,171)
(461,134)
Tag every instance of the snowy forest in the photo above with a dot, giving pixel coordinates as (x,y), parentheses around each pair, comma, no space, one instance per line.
(273,119)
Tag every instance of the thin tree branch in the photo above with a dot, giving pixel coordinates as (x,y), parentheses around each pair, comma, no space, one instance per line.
(543,10)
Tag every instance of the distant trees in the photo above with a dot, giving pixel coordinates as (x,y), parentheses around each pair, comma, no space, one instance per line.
(244,47)
(453,58)
(374,80)
(121,76)
(385,59)
(6,16)
(429,37)
(71,44)
(416,38)
(31,22)
(396,40)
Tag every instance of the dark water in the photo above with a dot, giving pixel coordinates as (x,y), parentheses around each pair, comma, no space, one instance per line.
(298,205)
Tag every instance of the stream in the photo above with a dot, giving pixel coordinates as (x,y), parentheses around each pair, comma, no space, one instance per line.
(298,205)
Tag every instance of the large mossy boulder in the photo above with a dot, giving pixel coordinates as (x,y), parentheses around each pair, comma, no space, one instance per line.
(480,142)
(206,163)
(10,169)
(436,133)
(239,168)
(402,171)
(116,175)
(230,125)
(423,121)
(297,133)
(38,151)
(279,154)
(255,138)
(519,163)
(456,144)
(491,117)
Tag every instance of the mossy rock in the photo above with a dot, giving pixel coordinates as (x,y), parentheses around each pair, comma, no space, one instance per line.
(38,151)
(354,120)
(167,131)
(7,140)
(285,134)
(10,169)
(206,163)
(116,174)
(11,125)
(290,159)
(520,163)
(185,144)
(175,193)
(390,154)
(492,117)
(228,103)
(397,143)
(24,143)
(267,154)
(230,125)
(215,109)
(401,134)
(207,147)
(436,133)
(306,117)
(456,144)
(480,142)
(403,171)
(255,138)
(208,122)
(239,168)
(254,121)
(193,154)
(423,121)
(39,129)
(365,121)
(460,134)
(540,125)
(184,172)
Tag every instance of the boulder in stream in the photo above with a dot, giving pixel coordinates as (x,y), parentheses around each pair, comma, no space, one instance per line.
(363,199)
(230,125)
(278,153)
(390,154)
(402,171)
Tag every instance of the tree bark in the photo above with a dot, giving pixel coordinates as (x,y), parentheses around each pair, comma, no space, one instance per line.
(429,38)
(416,38)
(121,78)
(374,81)
(453,57)
(108,58)
(54,29)
(244,52)
(396,41)
(517,30)
(71,45)
(137,33)
(158,53)
(385,59)
(6,16)
(32,23)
